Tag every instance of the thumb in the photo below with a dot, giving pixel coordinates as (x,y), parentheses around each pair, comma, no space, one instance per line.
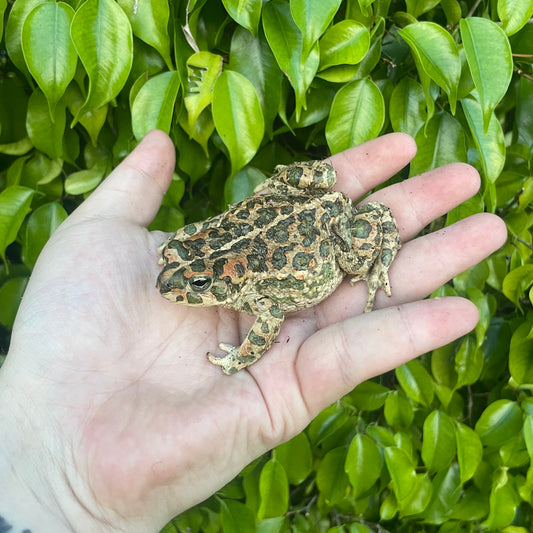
(135,189)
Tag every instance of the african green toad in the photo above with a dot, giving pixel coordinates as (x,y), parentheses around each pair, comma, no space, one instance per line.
(285,248)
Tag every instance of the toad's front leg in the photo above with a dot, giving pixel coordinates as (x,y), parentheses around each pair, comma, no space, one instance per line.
(262,334)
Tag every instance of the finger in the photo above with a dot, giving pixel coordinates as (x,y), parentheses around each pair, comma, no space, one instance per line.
(418,200)
(361,168)
(423,265)
(336,359)
(135,189)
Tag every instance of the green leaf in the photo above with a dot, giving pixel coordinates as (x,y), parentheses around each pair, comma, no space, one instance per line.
(203,70)
(331,479)
(357,115)
(102,35)
(469,451)
(483,40)
(419,7)
(517,282)
(149,22)
(441,142)
(312,18)
(245,12)
(286,42)
(13,38)
(46,136)
(521,355)
(48,49)
(402,473)
(406,110)
(490,144)
(438,444)
(85,181)
(153,106)
(416,382)
(296,458)
(514,14)
(369,396)
(274,491)
(236,517)
(238,117)
(345,43)
(363,464)
(17,148)
(499,422)
(437,54)
(446,493)
(10,295)
(3,5)
(253,59)
(41,224)
(398,410)
(503,502)
(468,363)
(14,206)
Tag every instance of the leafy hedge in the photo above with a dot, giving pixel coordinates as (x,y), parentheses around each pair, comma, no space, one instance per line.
(444,442)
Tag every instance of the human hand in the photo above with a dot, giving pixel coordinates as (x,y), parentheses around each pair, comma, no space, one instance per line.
(111,414)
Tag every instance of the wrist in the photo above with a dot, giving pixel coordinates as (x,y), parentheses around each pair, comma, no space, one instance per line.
(40,488)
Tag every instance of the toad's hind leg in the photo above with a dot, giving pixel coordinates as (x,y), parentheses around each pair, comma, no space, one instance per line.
(374,243)
(262,334)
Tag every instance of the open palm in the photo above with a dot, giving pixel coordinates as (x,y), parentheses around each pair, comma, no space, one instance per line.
(136,424)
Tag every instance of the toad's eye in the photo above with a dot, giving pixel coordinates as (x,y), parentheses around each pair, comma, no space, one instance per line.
(200,283)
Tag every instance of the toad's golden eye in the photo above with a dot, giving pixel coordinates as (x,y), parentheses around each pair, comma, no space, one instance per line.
(200,283)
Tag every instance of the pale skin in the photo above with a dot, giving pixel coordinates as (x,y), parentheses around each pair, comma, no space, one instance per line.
(112,418)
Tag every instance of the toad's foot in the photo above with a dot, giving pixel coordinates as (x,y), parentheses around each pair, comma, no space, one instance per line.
(232,362)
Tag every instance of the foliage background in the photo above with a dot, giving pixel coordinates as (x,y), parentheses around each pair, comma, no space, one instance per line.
(443,443)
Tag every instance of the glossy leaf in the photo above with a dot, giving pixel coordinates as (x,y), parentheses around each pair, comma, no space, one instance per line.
(402,473)
(369,395)
(236,517)
(17,148)
(3,5)
(296,458)
(468,363)
(102,35)
(48,49)
(357,115)
(274,491)
(10,295)
(415,382)
(438,443)
(420,496)
(469,451)
(406,110)
(517,282)
(441,142)
(345,43)
(149,22)
(514,14)
(238,117)
(203,69)
(521,354)
(437,54)
(312,18)
(419,7)
(503,502)
(13,38)
(331,477)
(500,421)
(45,135)
(482,41)
(14,206)
(41,224)
(253,59)
(363,464)
(245,12)
(84,181)
(286,42)
(490,144)
(446,493)
(153,106)
(398,411)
